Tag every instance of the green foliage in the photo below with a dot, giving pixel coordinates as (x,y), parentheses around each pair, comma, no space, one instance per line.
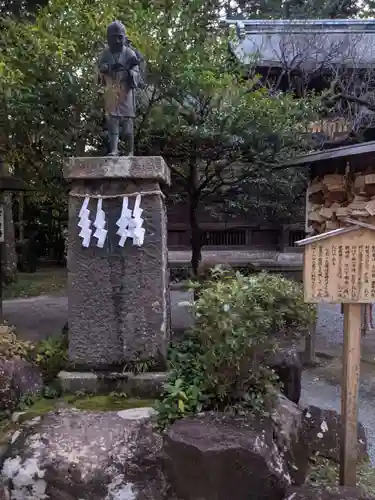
(220,133)
(221,363)
(11,346)
(51,355)
(325,472)
(52,390)
(26,401)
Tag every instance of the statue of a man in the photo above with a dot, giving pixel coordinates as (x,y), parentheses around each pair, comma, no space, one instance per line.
(120,75)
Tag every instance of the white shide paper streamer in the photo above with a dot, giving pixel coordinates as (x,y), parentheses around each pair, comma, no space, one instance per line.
(84,223)
(123,222)
(99,224)
(138,232)
(129,224)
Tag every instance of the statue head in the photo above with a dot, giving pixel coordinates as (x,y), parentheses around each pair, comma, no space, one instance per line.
(116,36)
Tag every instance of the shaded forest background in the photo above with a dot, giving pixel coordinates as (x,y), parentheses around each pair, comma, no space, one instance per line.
(222,134)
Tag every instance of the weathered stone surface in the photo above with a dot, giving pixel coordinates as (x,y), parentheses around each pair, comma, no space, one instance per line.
(322,430)
(218,457)
(325,493)
(72,455)
(288,421)
(118,297)
(142,385)
(287,365)
(120,167)
(18,379)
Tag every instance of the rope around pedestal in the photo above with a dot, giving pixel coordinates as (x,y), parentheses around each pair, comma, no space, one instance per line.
(121,195)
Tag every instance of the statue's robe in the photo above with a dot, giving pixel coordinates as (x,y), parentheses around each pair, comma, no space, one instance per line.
(119,94)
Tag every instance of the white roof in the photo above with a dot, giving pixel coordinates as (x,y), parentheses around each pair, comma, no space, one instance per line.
(305,43)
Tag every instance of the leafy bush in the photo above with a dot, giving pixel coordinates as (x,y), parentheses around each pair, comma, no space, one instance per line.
(178,273)
(219,364)
(11,346)
(51,355)
(211,269)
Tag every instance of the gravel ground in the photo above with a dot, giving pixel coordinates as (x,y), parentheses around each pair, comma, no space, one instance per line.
(37,318)
(318,392)
(330,324)
(329,333)
(41,316)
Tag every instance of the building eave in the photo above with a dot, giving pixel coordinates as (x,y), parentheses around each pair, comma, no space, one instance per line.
(332,154)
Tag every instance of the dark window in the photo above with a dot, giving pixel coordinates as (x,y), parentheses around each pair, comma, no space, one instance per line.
(265,238)
(295,236)
(178,238)
(228,238)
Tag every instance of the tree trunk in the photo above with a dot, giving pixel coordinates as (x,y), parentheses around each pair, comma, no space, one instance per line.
(194,195)
(9,255)
(8,248)
(196,239)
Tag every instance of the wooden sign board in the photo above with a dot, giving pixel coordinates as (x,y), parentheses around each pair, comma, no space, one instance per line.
(340,268)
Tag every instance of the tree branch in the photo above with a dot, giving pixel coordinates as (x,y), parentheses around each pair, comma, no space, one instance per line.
(351,98)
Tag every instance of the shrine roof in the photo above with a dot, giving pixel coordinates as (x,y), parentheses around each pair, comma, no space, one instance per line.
(305,43)
(343,152)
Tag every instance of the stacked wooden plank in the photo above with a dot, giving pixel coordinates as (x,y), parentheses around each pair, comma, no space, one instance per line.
(334,197)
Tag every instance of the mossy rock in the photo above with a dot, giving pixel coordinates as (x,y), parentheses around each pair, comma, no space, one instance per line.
(112,402)
(107,403)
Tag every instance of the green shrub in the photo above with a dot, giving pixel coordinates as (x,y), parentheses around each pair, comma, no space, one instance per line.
(51,355)
(179,272)
(219,365)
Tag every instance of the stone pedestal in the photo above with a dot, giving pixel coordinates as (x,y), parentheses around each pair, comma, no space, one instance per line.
(118,297)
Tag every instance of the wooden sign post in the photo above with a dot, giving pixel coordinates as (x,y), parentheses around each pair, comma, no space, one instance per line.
(339,268)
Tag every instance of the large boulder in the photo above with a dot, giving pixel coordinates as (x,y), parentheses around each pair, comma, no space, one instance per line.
(326,493)
(18,379)
(221,456)
(286,363)
(322,430)
(72,454)
(288,424)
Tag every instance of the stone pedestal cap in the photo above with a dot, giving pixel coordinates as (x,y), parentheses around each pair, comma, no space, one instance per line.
(120,167)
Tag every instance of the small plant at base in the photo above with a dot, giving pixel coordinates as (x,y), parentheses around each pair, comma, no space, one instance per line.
(137,367)
(51,356)
(325,472)
(81,393)
(219,365)
(52,390)
(26,401)
(118,395)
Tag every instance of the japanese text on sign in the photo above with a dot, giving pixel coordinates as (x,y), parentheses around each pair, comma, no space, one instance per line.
(341,269)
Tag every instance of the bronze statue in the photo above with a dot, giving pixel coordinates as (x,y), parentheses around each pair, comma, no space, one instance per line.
(120,74)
